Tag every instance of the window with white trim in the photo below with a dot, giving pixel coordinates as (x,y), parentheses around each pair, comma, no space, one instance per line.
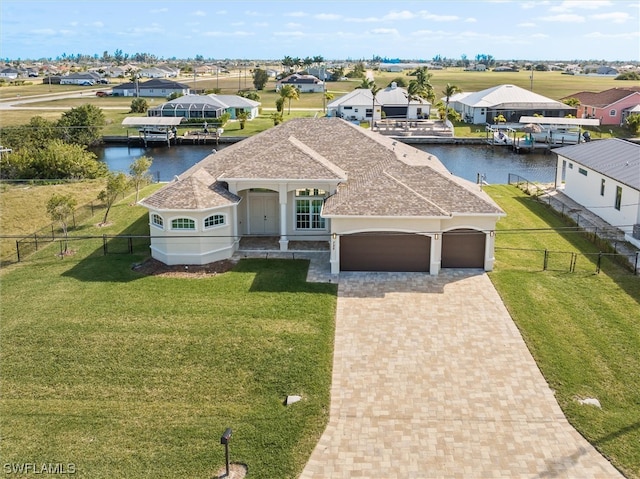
(156,220)
(183,224)
(308,206)
(214,220)
(612,113)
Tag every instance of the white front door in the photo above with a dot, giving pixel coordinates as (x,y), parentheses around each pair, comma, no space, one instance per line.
(263,214)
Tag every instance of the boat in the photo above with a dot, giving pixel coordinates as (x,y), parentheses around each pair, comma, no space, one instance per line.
(557,135)
(156,133)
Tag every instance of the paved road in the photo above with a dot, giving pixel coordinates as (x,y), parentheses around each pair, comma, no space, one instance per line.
(432,379)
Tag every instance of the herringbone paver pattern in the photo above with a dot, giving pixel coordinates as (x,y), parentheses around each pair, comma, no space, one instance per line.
(433,380)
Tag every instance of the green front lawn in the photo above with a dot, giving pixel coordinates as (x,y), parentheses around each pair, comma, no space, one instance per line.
(582,328)
(127,375)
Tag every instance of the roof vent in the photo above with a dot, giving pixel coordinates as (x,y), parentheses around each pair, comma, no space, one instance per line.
(394,85)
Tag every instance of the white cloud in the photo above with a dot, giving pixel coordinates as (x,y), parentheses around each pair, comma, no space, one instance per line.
(43,31)
(403,15)
(471,20)
(384,31)
(526,25)
(362,20)
(237,24)
(199,13)
(289,34)
(571,5)
(252,13)
(563,17)
(293,25)
(425,15)
(539,35)
(221,12)
(327,16)
(616,36)
(261,24)
(97,25)
(615,17)
(295,14)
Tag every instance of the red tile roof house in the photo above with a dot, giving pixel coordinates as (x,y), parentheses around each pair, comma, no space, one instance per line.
(379,204)
(610,106)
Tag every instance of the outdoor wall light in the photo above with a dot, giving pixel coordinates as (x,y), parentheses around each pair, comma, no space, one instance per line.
(436,236)
(492,233)
(334,236)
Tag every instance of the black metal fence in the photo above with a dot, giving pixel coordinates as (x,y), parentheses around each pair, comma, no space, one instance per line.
(608,239)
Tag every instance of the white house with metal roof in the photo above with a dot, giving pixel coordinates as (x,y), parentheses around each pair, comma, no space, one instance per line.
(510,101)
(604,177)
(379,204)
(390,102)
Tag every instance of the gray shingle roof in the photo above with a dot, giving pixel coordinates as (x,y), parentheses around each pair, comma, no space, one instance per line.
(384,177)
(615,158)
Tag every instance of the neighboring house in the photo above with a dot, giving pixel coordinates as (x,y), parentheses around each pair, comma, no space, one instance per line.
(84,78)
(381,205)
(604,177)
(606,70)
(392,101)
(304,83)
(9,73)
(611,107)
(319,72)
(356,105)
(510,101)
(395,105)
(153,72)
(158,87)
(206,106)
(170,72)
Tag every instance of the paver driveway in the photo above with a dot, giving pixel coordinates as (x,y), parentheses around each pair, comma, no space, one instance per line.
(433,380)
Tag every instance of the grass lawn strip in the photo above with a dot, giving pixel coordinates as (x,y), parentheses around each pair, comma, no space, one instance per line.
(582,328)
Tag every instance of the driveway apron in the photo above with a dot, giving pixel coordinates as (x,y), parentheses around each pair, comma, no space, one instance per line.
(431,379)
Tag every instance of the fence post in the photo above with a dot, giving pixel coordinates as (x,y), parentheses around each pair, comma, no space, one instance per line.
(599,262)
(35,237)
(104,244)
(578,219)
(635,270)
(130,245)
(546,259)
(53,235)
(18,250)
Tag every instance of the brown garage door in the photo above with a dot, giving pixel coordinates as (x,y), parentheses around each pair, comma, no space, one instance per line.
(384,252)
(463,248)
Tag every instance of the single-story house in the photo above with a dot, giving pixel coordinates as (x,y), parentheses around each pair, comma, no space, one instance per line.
(395,105)
(206,106)
(604,177)
(392,101)
(510,101)
(304,83)
(611,107)
(153,72)
(158,87)
(9,73)
(380,205)
(85,78)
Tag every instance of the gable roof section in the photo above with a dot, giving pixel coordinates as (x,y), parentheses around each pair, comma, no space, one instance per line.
(395,95)
(606,97)
(510,96)
(357,97)
(615,158)
(377,176)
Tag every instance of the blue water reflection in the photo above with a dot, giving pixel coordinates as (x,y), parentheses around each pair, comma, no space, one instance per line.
(495,163)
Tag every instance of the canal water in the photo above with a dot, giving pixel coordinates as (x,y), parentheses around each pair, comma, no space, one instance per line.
(467,161)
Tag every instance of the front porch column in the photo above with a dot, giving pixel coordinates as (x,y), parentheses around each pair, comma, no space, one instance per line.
(284,241)
(489,251)
(436,254)
(335,254)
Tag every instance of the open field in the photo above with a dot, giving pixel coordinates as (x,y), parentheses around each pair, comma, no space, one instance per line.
(551,84)
(143,386)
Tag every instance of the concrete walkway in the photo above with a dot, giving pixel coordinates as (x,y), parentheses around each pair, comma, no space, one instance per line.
(432,379)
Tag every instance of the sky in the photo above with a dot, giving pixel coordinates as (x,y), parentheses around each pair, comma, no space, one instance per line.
(334,29)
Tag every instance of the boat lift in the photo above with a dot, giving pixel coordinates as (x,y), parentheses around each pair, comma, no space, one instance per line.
(154,129)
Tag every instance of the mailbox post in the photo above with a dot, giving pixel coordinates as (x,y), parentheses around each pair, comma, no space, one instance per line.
(226,436)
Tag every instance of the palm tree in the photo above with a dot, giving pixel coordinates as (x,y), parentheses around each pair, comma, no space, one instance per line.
(448,92)
(423,78)
(287,62)
(289,92)
(415,91)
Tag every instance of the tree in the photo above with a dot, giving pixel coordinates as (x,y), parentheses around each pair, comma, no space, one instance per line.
(139,172)
(60,208)
(287,63)
(82,125)
(573,102)
(116,184)
(277,117)
(423,78)
(415,91)
(289,92)
(399,81)
(242,117)
(139,105)
(371,85)
(260,78)
(633,123)
(251,95)
(448,92)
